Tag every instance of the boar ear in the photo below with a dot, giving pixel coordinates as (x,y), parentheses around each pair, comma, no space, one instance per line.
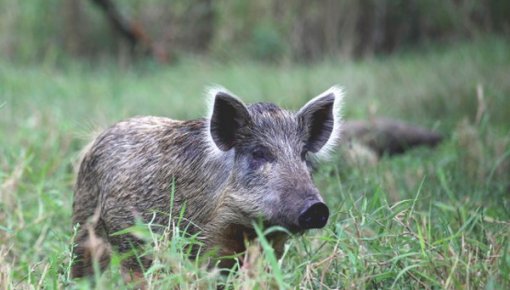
(228,115)
(320,120)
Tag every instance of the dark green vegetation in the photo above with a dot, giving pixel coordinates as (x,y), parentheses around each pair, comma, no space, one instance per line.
(266,30)
(429,219)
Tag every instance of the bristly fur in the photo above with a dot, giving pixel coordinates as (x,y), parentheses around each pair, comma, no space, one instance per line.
(253,165)
(333,140)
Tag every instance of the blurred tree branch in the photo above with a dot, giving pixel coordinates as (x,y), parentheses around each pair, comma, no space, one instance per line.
(133,32)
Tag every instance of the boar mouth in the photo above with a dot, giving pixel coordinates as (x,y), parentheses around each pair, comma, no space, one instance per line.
(291,229)
(315,215)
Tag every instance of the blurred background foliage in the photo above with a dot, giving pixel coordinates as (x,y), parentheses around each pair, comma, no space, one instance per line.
(283,31)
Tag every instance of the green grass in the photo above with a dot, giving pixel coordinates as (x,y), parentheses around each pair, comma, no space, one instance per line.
(435,218)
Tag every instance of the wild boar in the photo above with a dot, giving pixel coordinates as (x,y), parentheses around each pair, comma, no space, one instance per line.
(241,164)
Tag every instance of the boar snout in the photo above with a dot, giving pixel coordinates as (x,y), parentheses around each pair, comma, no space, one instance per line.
(315,216)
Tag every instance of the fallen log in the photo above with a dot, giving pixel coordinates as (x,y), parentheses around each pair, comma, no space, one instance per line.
(388,136)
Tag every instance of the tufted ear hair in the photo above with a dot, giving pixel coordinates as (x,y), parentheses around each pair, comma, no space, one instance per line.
(228,115)
(320,118)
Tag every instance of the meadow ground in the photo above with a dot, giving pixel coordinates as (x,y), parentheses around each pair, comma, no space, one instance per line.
(432,218)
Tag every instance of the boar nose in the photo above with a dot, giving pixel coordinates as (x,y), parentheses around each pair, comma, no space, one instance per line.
(314,217)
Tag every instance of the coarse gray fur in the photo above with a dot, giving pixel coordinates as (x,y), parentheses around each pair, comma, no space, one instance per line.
(240,164)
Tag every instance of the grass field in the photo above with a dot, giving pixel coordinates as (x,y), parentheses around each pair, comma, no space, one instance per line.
(432,218)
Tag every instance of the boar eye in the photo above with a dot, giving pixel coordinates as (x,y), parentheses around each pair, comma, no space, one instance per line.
(260,156)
